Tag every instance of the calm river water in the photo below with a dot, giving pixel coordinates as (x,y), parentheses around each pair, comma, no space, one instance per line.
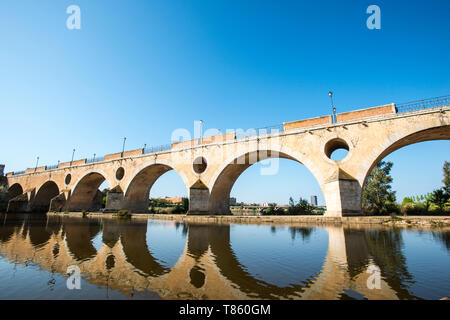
(158,259)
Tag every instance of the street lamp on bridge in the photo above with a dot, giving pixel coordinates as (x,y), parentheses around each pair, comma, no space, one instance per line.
(73,153)
(333,109)
(123,147)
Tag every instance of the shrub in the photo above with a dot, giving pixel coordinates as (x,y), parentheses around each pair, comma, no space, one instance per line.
(299,208)
(124,214)
(413,209)
(392,207)
(272,211)
(178,209)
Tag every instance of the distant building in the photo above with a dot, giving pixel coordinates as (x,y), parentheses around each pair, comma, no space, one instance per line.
(314,201)
(2,169)
(233,201)
(269,204)
(173,200)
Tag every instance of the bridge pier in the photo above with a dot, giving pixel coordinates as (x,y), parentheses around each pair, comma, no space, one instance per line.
(58,203)
(134,205)
(21,203)
(342,195)
(199,199)
(91,201)
(114,199)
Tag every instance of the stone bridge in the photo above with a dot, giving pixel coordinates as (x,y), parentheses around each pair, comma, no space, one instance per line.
(210,166)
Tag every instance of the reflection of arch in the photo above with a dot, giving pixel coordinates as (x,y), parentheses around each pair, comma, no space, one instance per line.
(85,194)
(136,251)
(138,189)
(437,133)
(79,235)
(385,248)
(15,190)
(54,224)
(225,177)
(218,238)
(38,235)
(44,195)
(9,225)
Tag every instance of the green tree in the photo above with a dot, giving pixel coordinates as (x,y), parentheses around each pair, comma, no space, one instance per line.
(272,210)
(446,180)
(291,202)
(301,207)
(185,204)
(3,197)
(377,196)
(104,195)
(407,200)
(439,197)
(426,200)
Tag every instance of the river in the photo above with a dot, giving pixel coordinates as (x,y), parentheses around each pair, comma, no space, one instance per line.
(162,259)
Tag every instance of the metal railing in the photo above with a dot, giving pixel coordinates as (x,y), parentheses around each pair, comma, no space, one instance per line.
(423,104)
(160,148)
(96,159)
(18,172)
(53,166)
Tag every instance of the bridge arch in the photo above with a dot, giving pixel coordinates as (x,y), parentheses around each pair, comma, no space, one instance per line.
(46,192)
(394,142)
(137,191)
(85,194)
(15,190)
(225,177)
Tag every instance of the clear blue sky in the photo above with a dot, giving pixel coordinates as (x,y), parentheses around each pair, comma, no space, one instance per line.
(141,69)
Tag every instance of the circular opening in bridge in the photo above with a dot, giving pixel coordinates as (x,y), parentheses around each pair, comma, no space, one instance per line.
(68,178)
(199,165)
(336,149)
(120,173)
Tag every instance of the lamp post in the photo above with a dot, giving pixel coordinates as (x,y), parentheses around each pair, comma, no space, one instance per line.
(94,158)
(333,109)
(73,153)
(123,147)
(201,131)
(37,161)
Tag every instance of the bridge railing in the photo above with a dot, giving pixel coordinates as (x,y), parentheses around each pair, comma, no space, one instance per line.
(423,104)
(95,159)
(53,166)
(18,172)
(159,148)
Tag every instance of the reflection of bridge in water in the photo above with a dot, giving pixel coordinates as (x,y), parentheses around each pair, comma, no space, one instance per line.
(208,268)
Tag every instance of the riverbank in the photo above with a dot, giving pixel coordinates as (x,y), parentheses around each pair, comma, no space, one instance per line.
(408,221)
